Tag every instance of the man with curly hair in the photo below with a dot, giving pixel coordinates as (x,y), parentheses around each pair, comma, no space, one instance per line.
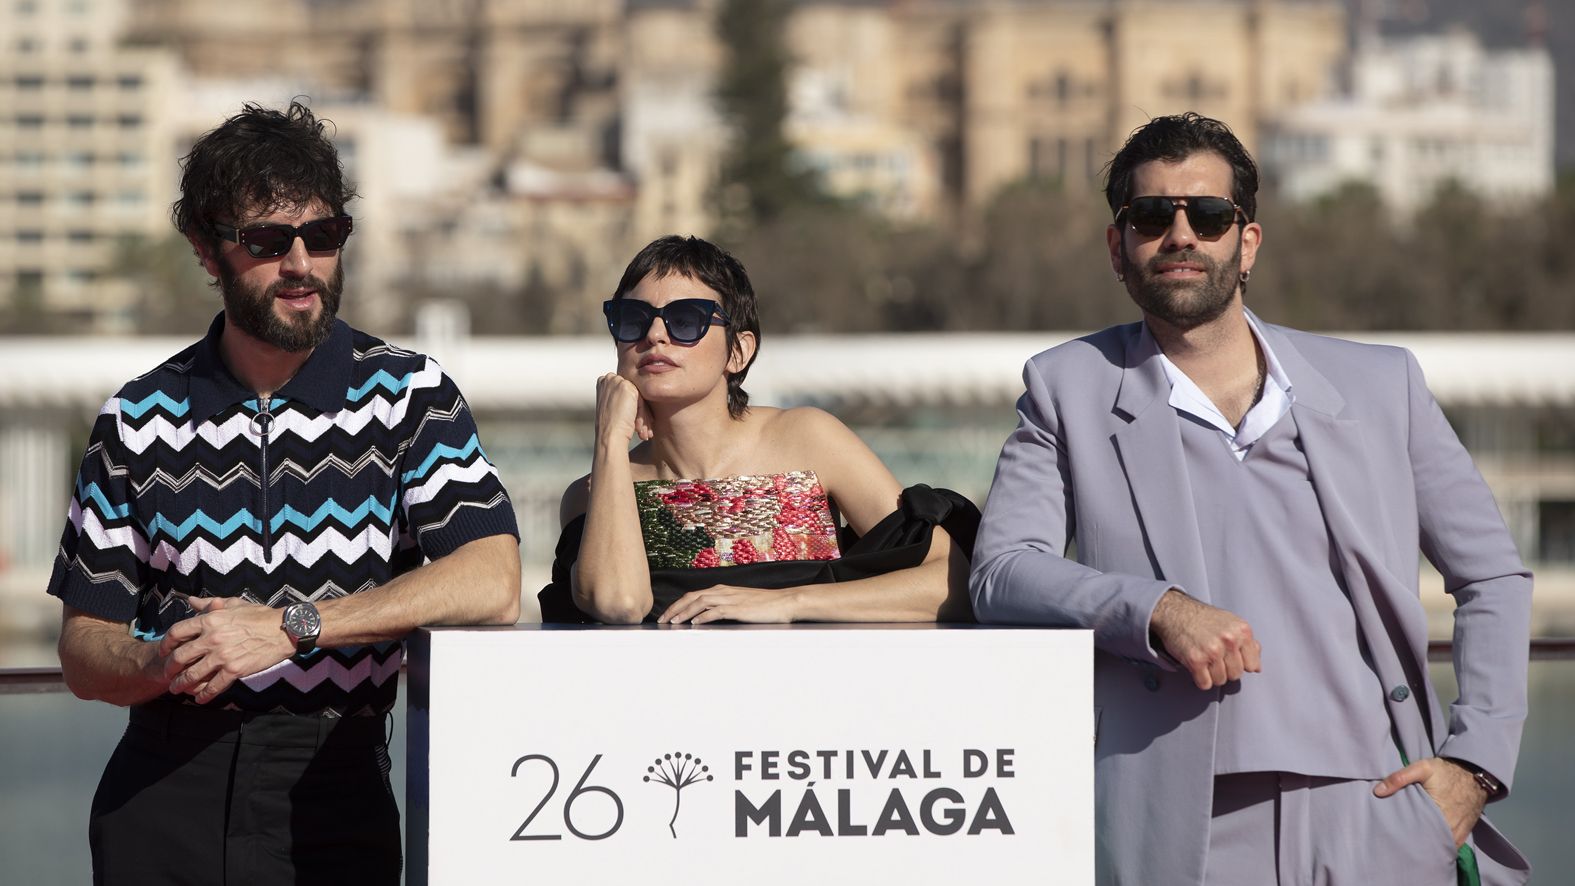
(256,525)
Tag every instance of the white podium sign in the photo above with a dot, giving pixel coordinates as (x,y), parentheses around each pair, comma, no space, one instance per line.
(776,755)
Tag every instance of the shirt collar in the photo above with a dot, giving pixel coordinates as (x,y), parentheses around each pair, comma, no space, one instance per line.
(1277,397)
(321,382)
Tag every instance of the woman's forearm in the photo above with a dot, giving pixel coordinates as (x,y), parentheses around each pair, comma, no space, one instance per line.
(934,590)
(611,581)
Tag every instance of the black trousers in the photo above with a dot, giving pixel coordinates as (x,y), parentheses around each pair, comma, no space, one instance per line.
(198,796)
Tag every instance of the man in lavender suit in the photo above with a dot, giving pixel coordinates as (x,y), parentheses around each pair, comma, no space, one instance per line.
(1235,510)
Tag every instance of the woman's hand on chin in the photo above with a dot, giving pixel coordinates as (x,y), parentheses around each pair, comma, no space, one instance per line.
(620,410)
(757,605)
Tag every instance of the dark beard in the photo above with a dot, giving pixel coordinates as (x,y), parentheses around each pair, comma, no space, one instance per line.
(1171,302)
(252,311)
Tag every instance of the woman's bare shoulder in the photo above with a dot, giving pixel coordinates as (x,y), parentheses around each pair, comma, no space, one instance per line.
(807,429)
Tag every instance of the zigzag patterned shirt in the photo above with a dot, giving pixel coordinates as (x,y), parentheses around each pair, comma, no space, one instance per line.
(361,466)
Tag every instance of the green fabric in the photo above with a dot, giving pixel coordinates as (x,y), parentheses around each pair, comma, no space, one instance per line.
(1466,873)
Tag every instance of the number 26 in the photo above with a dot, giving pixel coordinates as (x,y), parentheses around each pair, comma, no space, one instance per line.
(568,804)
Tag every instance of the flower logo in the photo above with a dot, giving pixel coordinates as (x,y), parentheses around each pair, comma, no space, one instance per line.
(677,771)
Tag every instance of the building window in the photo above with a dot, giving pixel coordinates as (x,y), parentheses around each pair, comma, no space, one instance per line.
(1556,531)
(29,121)
(81,236)
(26,8)
(129,81)
(78,45)
(130,159)
(1047,158)
(79,83)
(29,159)
(26,45)
(30,236)
(79,159)
(28,83)
(79,121)
(30,279)
(128,121)
(30,198)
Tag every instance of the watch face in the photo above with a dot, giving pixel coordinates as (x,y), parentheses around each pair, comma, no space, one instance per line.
(301,621)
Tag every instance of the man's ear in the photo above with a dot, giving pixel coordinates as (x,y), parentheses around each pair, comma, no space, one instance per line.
(207,254)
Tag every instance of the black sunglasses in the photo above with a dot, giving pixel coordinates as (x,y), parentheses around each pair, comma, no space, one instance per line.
(268,241)
(1208,216)
(687,319)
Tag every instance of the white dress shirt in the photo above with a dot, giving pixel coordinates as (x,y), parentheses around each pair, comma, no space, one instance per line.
(1277,398)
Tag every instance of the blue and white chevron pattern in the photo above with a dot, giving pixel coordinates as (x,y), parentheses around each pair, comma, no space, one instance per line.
(168,505)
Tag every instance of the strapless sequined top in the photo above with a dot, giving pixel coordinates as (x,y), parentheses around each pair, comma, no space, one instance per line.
(736,520)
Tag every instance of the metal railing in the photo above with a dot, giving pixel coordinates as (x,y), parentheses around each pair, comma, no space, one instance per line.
(21,681)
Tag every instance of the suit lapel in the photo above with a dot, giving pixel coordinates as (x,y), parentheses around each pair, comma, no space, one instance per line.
(1361,533)
(1149,447)
(1337,459)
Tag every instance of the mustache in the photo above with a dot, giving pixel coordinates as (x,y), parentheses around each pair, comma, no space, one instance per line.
(1189,255)
(311,280)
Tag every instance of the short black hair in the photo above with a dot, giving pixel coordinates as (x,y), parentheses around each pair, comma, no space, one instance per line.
(714,266)
(1177,137)
(256,162)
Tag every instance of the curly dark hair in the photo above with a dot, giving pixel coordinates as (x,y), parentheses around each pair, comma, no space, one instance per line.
(256,162)
(1175,138)
(715,267)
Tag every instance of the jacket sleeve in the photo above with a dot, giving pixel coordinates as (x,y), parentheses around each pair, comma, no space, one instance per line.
(1463,535)
(1020,574)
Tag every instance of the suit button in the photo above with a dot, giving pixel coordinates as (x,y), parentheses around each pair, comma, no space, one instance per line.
(1399,693)
(1151,682)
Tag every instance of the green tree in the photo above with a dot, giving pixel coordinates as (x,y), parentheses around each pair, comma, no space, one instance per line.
(174,294)
(759,178)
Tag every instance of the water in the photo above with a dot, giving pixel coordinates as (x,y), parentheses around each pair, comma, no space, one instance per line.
(53,747)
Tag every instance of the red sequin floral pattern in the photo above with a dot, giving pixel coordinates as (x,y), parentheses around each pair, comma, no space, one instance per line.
(736,520)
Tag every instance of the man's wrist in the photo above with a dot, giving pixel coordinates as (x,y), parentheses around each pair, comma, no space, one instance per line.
(1490,786)
(302,624)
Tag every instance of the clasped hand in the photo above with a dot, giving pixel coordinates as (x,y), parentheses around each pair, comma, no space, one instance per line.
(1214,645)
(227,639)
(620,410)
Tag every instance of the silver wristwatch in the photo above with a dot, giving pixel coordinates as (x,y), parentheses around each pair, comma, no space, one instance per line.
(302,625)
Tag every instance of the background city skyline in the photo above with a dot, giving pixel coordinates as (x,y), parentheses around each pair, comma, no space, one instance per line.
(875,159)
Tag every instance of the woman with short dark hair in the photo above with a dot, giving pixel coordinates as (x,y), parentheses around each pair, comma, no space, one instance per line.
(730,511)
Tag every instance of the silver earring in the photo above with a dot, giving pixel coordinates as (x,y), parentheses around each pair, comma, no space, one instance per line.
(1245,275)
(1121,278)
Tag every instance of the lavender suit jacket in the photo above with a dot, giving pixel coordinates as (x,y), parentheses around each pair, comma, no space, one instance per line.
(1090,519)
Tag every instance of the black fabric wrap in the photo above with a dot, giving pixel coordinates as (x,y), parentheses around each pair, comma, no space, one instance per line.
(900,540)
